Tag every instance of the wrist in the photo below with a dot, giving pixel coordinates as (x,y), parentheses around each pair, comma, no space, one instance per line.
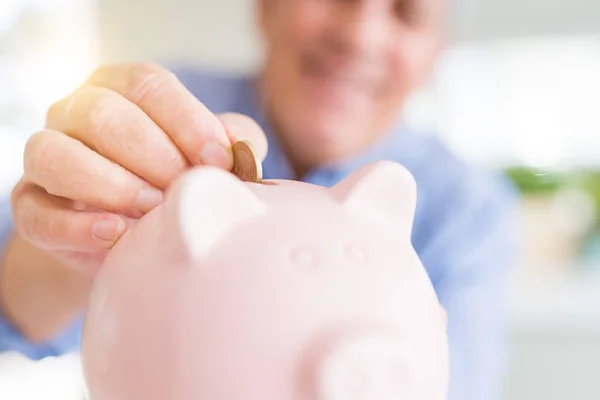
(38,294)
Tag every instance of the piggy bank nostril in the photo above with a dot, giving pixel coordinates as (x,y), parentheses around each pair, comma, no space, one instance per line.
(355,382)
(345,381)
(364,366)
(398,375)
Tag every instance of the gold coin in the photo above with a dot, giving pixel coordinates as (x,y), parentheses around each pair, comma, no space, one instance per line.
(246,164)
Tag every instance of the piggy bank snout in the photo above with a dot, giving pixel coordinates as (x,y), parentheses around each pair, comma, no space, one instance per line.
(371,367)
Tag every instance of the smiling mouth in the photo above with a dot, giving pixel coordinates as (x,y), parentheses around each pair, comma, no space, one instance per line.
(349,76)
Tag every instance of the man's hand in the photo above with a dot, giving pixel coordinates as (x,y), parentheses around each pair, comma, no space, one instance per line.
(107,154)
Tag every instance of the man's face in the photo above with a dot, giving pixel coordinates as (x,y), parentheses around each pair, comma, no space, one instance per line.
(338,71)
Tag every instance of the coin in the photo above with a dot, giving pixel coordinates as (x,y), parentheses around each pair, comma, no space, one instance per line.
(246,164)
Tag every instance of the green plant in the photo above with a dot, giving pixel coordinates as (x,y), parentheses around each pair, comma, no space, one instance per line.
(532,181)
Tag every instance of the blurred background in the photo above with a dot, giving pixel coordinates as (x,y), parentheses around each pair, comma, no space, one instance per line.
(518,89)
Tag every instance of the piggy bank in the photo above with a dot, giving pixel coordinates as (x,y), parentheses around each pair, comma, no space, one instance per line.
(275,291)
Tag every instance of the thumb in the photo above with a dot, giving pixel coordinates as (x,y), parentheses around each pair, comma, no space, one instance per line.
(240,127)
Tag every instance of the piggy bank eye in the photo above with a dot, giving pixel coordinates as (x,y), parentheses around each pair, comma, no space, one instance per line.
(356,253)
(303,257)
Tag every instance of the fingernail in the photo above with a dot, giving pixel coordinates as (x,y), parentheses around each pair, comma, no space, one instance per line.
(147,199)
(216,155)
(108,229)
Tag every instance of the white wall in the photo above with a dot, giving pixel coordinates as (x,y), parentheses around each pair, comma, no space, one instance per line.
(47,48)
(221,32)
(550,365)
(212,32)
(477,19)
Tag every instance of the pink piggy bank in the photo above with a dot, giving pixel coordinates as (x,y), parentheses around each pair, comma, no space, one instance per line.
(275,291)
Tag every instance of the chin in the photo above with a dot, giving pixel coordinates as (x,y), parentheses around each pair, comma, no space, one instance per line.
(329,137)
(333,99)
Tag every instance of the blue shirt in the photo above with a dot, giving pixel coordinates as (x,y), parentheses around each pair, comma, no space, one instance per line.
(464,231)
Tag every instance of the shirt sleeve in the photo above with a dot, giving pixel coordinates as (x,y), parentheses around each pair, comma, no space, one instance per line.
(11,338)
(472,256)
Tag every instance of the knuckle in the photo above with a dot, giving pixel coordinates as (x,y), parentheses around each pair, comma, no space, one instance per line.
(148,67)
(99,112)
(38,153)
(18,201)
(101,72)
(64,112)
(144,80)
(98,72)
(17,193)
(28,222)
(123,192)
(60,110)
(55,110)
(174,166)
(34,142)
(52,228)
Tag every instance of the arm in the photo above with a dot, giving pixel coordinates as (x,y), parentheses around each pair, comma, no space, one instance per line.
(472,255)
(39,299)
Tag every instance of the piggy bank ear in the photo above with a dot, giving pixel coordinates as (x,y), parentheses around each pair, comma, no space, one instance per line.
(205,204)
(383,191)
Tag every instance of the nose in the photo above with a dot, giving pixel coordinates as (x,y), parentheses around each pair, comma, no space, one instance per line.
(364,26)
(368,367)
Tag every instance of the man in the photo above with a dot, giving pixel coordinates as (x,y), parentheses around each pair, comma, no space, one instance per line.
(329,99)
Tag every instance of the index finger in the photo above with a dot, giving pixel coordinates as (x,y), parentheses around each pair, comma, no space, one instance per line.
(192,127)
